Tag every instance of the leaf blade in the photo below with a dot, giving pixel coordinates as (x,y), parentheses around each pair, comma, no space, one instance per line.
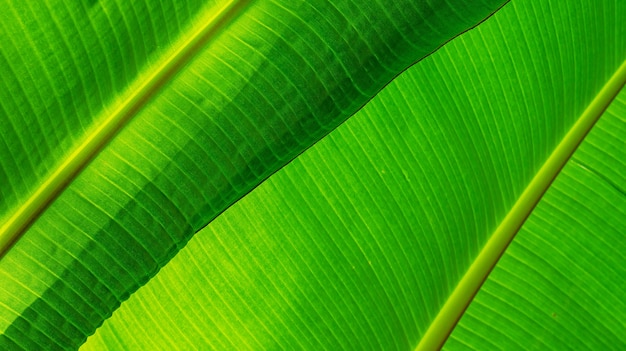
(560,280)
(444,93)
(97,139)
(495,247)
(52,95)
(225,122)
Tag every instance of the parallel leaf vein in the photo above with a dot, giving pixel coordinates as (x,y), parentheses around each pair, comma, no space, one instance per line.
(114,121)
(470,283)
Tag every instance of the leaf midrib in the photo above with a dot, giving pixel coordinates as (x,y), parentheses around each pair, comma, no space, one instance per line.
(470,283)
(135,99)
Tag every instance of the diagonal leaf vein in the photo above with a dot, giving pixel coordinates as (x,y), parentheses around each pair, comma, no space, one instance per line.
(470,283)
(136,98)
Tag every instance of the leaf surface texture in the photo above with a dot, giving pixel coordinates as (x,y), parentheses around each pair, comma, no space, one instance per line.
(358,243)
(560,283)
(201,130)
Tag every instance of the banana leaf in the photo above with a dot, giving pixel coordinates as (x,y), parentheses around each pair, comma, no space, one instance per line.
(360,242)
(560,284)
(127,126)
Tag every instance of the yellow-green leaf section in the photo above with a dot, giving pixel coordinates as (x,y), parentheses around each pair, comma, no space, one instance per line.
(107,125)
(359,242)
(127,126)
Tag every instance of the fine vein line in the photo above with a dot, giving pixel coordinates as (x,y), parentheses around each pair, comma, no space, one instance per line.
(113,122)
(468,286)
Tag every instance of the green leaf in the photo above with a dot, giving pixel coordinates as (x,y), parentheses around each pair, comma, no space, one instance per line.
(359,242)
(560,284)
(127,126)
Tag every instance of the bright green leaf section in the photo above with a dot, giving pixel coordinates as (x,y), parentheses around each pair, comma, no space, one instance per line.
(359,242)
(202,124)
(560,285)
(477,273)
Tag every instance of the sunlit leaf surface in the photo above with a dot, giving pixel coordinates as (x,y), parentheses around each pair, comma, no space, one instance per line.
(359,242)
(127,126)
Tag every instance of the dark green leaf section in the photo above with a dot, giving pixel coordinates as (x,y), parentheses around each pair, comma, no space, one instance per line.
(358,242)
(560,285)
(280,77)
